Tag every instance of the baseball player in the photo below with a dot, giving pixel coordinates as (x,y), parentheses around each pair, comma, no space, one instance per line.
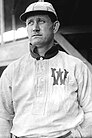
(46,93)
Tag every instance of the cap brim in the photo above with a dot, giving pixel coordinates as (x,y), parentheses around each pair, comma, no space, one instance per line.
(26,15)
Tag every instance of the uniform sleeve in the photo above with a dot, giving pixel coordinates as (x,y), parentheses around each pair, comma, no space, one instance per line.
(5,128)
(6,105)
(84,79)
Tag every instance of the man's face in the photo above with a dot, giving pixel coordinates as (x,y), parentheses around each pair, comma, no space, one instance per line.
(40,30)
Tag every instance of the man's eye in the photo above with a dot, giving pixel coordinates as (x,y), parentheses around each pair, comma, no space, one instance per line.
(30,23)
(42,21)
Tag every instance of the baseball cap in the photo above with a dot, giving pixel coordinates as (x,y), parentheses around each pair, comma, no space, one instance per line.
(39,8)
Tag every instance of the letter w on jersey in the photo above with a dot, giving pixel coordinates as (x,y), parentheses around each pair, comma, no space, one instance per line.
(59,76)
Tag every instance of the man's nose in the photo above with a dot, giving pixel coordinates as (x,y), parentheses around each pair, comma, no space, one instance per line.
(36,27)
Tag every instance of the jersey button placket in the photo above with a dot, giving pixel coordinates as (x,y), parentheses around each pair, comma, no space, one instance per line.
(41,78)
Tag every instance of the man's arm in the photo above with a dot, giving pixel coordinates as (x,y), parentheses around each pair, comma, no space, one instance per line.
(85,100)
(5,128)
(6,105)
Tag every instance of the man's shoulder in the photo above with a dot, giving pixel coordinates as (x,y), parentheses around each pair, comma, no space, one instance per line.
(69,57)
(19,62)
(71,60)
(21,59)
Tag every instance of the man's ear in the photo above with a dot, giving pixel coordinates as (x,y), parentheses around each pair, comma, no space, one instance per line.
(56,25)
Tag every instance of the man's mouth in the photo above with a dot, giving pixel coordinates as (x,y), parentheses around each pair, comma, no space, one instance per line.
(36,35)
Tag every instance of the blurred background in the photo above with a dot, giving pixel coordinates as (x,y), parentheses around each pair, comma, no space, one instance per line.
(74,35)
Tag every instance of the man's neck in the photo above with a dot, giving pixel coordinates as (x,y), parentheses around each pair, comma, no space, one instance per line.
(49,53)
(43,50)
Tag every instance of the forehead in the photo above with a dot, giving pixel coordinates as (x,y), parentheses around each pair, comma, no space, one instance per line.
(39,16)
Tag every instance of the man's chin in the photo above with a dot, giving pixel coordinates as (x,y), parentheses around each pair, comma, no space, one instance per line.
(36,43)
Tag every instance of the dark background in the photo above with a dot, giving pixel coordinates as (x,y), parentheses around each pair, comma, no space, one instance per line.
(73,14)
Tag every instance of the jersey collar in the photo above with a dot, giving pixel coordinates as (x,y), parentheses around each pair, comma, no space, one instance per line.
(49,54)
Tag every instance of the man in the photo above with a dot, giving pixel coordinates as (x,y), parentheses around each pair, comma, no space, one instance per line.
(46,93)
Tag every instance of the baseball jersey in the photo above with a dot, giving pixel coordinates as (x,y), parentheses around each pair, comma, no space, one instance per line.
(46,96)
